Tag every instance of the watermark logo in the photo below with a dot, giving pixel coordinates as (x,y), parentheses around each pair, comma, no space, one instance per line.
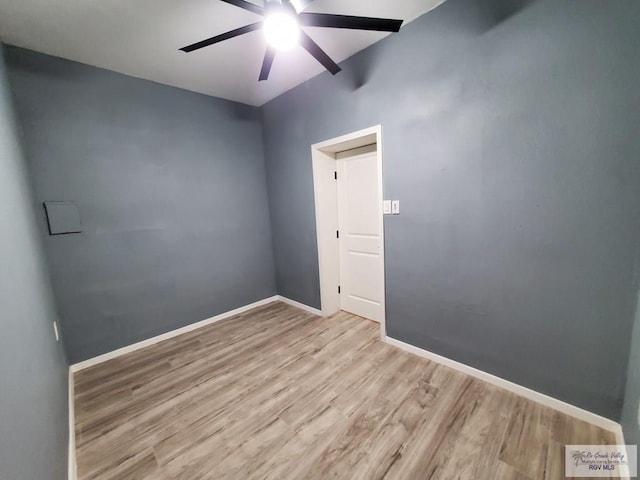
(610,461)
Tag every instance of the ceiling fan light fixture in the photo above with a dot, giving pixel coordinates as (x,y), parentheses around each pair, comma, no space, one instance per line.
(281,30)
(281,27)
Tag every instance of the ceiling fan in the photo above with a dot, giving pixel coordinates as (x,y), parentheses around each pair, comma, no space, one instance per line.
(281,26)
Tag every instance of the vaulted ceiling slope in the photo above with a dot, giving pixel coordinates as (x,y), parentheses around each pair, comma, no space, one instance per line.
(141,38)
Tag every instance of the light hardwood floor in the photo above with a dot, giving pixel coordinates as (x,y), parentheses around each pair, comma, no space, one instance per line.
(278,393)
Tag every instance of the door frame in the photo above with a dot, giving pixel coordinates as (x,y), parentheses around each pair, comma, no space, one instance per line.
(325,193)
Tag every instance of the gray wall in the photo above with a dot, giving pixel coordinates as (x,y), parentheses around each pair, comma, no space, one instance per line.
(511,140)
(33,370)
(171,191)
(631,409)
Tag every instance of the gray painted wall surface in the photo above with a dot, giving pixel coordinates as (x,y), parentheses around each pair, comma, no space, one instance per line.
(171,190)
(33,370)
(511,140)
(631,409)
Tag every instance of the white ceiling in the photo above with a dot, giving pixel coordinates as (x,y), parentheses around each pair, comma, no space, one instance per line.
(141,38)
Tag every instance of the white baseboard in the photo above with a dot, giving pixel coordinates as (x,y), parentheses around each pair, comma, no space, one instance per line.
(541,398)
(76,367)
(620,441)
(619,435)
(72,466)
(299,305)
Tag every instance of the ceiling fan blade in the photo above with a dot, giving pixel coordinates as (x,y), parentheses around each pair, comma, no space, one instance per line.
(312,47)
(300,5)
(222,37)
(266,64)
(246,5)
(347,21)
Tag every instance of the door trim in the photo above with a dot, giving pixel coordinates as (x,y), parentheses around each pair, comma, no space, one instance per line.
(325,194)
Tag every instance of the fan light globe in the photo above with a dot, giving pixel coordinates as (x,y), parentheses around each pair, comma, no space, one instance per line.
(282,31)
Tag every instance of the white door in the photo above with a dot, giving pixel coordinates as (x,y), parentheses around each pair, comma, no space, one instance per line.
(360,234)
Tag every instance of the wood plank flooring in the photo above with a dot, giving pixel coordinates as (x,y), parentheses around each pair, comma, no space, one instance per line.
(278,393)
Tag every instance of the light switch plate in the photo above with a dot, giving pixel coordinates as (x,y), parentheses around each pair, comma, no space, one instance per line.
(395,207)
(386,207)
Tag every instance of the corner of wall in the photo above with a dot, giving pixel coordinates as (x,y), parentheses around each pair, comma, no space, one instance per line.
(72,465)
(630,419)
(269,196)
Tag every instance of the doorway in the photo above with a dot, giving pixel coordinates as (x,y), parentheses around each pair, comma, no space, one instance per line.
(347,174)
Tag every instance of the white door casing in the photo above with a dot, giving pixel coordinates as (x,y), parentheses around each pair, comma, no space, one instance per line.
(325,157)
